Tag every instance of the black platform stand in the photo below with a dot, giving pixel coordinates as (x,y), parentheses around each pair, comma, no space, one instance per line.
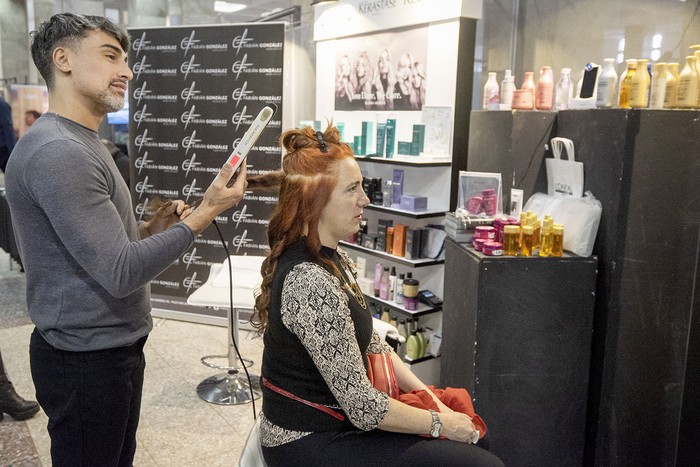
(517,334)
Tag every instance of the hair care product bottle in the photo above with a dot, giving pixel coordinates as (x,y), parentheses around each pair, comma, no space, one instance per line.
(558,240)
(626,84)
(511,240)
(378,268)
(527,240)
(658,85)
(607,85)
(545,89)
(384,284)
(402,328)
(413,346)
(408,327)
(529,83)
(394,322)
(398,291)
(507,88)
(385,315)
(422,342)
(687,96)
(639,87)
(564,90)
(671,86)
(392,284)
(491,91)
(389,248)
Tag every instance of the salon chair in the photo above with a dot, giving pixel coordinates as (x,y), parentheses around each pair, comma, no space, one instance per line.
(231,387)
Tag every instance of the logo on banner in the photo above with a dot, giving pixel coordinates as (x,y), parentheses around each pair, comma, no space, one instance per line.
(189,116)
(241,41)
(240,215)
(190,164)
(143,186)
(191,190)
(187,42)
(187,67)
(241,117)
(141,209)
(142,140)
(141,92)
(140,67)
(190,141)
(190,258)
(189,93)
(191,281)
(241,65)
(142,162)
(241,93)
(141,115)
(140,44)
(241,240)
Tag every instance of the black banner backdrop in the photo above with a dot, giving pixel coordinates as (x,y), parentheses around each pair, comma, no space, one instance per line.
(194,93)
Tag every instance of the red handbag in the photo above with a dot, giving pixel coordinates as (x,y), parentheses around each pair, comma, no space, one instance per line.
(380,371)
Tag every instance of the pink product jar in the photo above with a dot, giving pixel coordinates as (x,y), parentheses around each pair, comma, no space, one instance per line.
(489,201)
(410,303)
(485,232)
(475,205)
(492,249)
(478,243)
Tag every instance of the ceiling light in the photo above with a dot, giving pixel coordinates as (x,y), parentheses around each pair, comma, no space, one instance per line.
(226,7)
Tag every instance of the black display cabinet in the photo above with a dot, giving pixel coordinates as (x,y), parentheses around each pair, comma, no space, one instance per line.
(517,334)
(644,167)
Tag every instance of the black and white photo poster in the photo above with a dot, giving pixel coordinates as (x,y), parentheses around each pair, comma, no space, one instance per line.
(384,71)
(194,93)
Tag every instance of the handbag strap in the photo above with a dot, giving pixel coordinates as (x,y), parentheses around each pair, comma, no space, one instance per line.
(285,393)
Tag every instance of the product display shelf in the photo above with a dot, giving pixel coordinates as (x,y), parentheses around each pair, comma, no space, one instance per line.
(416,263)
(402,212)
(421,310)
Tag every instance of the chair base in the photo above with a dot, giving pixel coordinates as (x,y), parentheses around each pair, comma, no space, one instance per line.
(229,389)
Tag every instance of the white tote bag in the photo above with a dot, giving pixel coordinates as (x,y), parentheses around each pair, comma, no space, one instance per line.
(564,176)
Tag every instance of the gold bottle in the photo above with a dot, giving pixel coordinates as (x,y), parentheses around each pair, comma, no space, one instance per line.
(527,240)
(546,246)
(558,240)
(626,84)
(639,87)
(511,240)
(671,86)
(687,97)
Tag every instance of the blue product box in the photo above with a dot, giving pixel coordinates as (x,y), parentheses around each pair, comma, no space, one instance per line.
(414,203)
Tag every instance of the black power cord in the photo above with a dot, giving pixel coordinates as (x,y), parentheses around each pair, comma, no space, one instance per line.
(231,317)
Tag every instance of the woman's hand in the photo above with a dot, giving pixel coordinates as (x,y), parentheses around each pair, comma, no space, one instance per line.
(457,427)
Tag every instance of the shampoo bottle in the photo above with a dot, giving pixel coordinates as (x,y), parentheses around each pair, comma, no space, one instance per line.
(398,290)
(564,90)
(507,88)
(687,96)
(658,85)
(384,284)
(545,89)
(392,284)
(639,87)
(671,86)
(491,91)
(529,83)
(422,342)
(607,85)
(378,268)
(413,346)
(626,84)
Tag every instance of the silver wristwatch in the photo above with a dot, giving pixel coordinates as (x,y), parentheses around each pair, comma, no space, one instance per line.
(437,424)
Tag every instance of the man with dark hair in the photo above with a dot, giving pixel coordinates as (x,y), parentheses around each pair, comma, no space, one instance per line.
(87,260)
(31,116)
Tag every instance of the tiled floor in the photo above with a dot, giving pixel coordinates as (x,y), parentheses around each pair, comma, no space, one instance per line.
(177,427)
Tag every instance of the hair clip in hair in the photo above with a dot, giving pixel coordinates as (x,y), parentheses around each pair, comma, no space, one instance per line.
(321,142)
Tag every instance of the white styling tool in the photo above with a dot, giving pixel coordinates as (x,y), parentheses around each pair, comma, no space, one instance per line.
(251,136)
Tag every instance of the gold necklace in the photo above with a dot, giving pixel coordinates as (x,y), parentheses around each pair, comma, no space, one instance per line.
(352,285)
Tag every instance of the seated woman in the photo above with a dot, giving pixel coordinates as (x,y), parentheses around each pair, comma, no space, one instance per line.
(319,407)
